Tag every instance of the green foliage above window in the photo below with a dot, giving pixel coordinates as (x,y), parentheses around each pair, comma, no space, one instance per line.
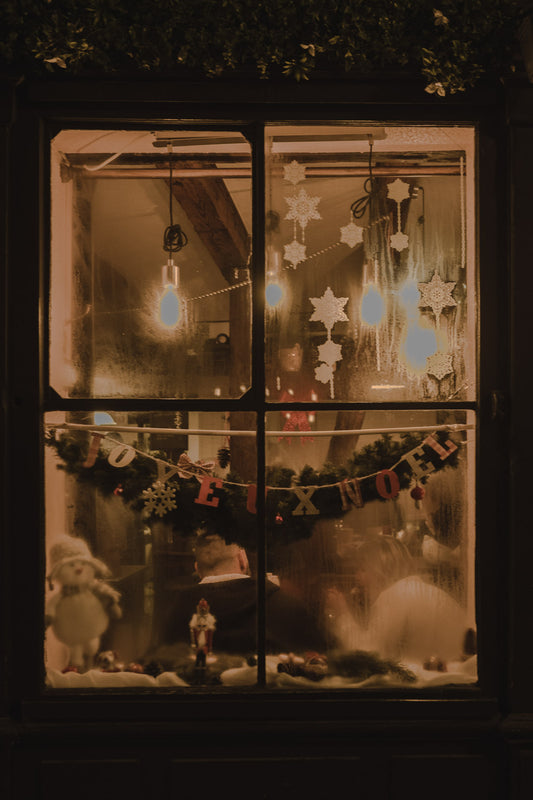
(450,44)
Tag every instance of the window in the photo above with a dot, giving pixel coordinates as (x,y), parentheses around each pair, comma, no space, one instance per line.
(224,510)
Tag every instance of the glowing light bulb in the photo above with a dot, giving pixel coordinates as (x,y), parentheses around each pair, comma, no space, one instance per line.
(169,308)
(103,418)
(409,294)
(273,294)
(420,343)
(372,306)
(169,304)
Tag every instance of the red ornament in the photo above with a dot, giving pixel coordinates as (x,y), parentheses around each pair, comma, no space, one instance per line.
(118,490)
(417,493)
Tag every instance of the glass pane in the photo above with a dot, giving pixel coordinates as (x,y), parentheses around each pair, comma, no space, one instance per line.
(370,524)
(129,318)
(147,515)
(370,263)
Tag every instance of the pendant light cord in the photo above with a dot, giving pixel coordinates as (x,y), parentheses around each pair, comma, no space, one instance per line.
(174,238)
(360,205)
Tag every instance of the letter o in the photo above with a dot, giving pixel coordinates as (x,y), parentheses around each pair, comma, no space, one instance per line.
(121,456)
(392,490)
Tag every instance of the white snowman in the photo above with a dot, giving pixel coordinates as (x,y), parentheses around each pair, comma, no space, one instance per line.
(80,611)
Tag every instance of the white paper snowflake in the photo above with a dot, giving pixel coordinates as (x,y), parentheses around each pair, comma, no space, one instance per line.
(398,190)
(328,309)
(295,252)
(159,498)
(439,365)
(399,241)
(330,352)
(351,234)
(294,172)
(324,373)
(436,295)
(302,208)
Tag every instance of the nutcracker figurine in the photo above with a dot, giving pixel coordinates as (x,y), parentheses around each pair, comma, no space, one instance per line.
(202,626)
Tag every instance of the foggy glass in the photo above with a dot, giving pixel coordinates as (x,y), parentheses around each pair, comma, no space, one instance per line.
(387,571)
(122,324)
(370,263)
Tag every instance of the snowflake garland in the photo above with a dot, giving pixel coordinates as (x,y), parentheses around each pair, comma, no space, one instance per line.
(352,234)
(159,498)
(436,295)
(294,172)
(295,253)
(398,191)
(439,365)
(328,310)
(302,208)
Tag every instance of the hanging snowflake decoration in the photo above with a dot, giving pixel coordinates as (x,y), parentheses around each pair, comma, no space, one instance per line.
(324,373)
(302,208)
(294,172)
(399,241)
(328,310)
(439,365)
(351,234)
(159,498)
(398,191)
(330,351)
(295,253)
(436,295)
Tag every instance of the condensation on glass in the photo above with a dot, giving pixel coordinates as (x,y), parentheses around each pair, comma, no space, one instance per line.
(369,512)
(137,508)
(370,523)
(370,264)
(124,322)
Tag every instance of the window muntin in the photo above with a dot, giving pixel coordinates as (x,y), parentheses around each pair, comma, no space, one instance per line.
(314,561)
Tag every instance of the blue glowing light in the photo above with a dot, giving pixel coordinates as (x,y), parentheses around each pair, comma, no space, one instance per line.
(410,294)
(169,308)
(103,418)
(273,294)
(420,343)
(372,306)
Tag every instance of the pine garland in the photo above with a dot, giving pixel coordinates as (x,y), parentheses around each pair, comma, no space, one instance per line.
(231,514)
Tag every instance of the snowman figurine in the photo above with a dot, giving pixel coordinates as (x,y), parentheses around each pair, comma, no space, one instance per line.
(81,610)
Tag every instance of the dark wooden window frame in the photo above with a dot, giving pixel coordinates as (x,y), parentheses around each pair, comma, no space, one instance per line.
(46,108)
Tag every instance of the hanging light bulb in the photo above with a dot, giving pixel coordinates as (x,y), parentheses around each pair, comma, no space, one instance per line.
(372,306)
(103,418)
(174,239)
(274,291)
(169,304)
(420,343)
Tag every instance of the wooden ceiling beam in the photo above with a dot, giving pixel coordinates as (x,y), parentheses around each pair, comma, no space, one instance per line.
(211,211)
